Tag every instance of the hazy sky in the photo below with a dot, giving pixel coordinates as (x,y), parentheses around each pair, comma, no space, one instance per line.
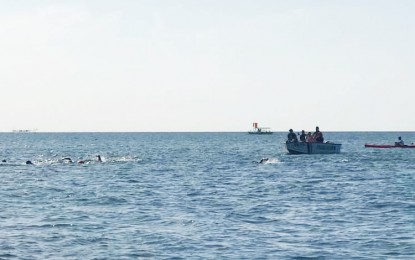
(207,65)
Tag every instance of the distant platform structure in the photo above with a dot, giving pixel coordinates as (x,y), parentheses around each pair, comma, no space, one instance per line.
(24,130)
(259,130)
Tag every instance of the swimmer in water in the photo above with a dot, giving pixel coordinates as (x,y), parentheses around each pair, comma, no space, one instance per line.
(29,162)
(67,159)
(99,158)
(263,160)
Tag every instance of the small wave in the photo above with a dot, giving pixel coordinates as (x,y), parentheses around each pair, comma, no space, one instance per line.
(126,159)
(273,161)
(12,164)
(7,255)
(51,225)
(269,161)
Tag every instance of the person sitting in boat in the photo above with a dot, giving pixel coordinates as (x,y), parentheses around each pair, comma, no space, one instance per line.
(292,137)
(318,136)
(400,142)
(309,138)
(303,136)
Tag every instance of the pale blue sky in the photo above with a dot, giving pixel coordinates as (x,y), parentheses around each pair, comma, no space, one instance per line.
(207,65)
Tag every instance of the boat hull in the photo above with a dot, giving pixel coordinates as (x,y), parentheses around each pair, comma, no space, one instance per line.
(259,133)
(386,146)
(312,148)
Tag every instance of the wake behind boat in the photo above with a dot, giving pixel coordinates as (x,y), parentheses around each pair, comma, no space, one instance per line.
(312,148)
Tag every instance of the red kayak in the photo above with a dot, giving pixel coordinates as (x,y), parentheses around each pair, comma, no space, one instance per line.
(388,146)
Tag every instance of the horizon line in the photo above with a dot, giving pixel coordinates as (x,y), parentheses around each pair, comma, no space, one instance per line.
(339,131)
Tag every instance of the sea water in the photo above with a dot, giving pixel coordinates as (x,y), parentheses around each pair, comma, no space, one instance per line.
(204,196)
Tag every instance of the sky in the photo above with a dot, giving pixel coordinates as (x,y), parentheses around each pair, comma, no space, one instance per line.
(207,65)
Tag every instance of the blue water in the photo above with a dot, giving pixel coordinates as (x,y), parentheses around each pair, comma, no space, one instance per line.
(201,196)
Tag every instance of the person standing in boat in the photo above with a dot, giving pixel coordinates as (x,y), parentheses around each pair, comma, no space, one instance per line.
(303,136)
(292,137)
(400,142)
(318,136)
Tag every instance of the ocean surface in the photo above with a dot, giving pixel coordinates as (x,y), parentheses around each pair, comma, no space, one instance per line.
(203,196)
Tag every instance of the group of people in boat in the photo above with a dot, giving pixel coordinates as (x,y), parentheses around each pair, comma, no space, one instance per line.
(317,136)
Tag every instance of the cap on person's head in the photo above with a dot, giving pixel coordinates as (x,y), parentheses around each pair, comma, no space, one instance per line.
(291,130)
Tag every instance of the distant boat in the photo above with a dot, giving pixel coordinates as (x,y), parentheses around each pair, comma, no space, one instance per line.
(260,130)
(388,146)
(23,131)
(312,148)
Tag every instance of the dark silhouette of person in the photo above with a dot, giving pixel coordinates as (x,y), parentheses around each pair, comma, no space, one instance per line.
(318,136)
(67,159)
(303,136)
(292,137)
(263,160)
(400,142)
